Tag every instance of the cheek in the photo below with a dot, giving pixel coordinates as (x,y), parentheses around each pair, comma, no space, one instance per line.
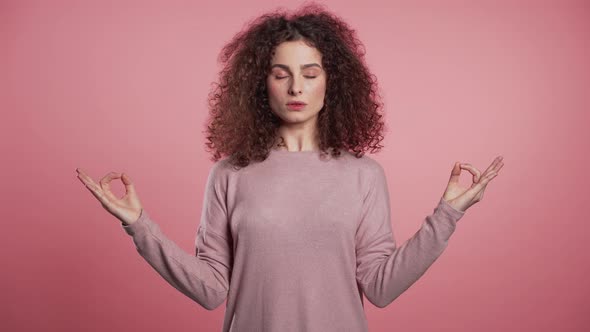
(273,90)
(319,90)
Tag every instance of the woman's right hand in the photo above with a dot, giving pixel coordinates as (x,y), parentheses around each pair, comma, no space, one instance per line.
(127,209)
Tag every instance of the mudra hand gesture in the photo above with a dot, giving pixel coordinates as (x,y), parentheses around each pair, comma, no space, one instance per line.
(462,198)
(127,209)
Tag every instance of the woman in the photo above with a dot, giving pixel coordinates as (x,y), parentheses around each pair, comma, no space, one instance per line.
(295,228)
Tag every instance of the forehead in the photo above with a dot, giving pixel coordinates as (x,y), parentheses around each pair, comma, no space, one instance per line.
(295,52)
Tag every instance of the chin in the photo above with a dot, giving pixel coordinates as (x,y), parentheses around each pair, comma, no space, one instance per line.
(289,116)
(299,118)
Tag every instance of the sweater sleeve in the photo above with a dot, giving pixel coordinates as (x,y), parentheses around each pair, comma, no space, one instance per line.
(205,276)
(385,271)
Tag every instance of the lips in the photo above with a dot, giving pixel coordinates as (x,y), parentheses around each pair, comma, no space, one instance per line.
(296,103)
(294,106)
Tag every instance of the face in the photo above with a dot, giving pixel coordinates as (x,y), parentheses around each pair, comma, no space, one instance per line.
(296,74)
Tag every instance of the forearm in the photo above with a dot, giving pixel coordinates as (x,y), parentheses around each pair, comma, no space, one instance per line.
(192,275)
(395,273)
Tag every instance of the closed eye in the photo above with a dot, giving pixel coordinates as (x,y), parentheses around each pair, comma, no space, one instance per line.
(281,77)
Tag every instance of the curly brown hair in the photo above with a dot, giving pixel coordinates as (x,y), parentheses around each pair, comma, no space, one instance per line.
(241,123)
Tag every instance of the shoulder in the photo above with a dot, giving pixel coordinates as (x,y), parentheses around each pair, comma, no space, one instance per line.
(219,171)
(220,165)
(366,163)
(368,173)
(366,170)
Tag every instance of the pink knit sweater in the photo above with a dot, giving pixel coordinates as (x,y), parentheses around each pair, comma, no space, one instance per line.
(294,242)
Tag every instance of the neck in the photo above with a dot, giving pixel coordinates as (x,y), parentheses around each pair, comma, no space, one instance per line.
(297,139)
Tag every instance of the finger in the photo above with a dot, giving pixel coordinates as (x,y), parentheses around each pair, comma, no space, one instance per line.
(87,180)
(105,184)
(129,187)
(494,169)
(479,195)
(99,194)
(500,165)
(455,173)
(474,171)
(481,185)
(495,165)
(94,189)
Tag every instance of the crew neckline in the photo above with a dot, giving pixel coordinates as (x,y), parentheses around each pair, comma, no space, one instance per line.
(313,154)
(304,151)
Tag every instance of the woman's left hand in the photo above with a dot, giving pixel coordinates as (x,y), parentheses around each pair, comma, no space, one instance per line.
(462,198)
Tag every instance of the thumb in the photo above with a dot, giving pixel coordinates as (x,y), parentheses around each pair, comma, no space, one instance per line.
(129,187)
(455,173)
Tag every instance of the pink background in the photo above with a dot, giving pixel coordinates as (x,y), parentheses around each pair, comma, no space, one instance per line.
(122,86)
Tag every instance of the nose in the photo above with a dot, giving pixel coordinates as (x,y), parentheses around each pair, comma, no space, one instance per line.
(295,87)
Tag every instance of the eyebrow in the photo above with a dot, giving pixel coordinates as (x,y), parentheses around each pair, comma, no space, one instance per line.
(302,66)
